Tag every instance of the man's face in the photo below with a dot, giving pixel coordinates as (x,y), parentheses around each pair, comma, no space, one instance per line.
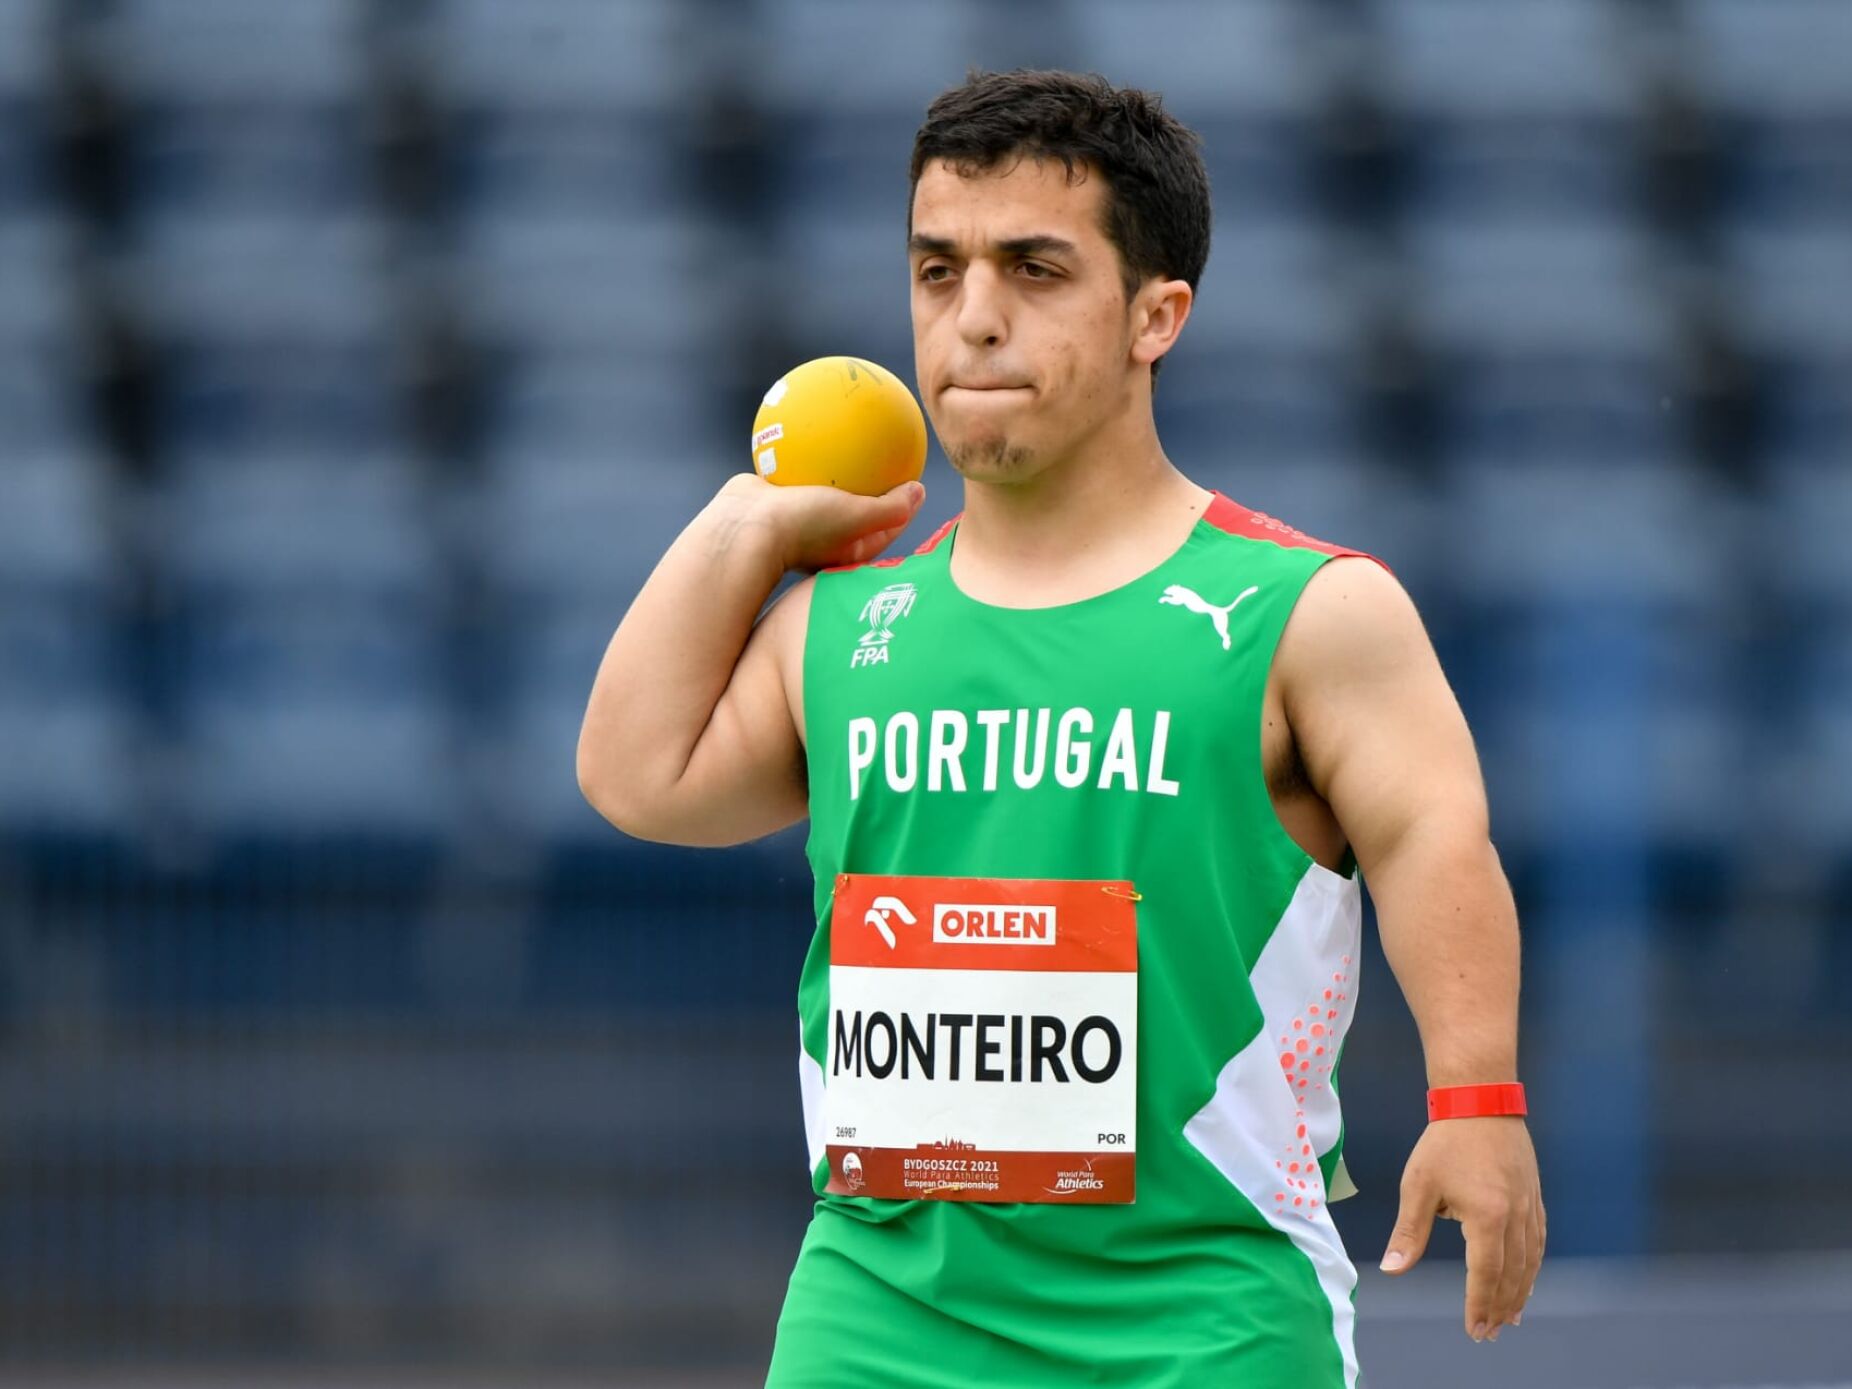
(1021,330)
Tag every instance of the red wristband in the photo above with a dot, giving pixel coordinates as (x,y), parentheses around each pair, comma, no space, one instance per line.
(1471,1101)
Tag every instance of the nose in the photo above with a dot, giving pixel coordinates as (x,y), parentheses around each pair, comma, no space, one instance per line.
(980,318)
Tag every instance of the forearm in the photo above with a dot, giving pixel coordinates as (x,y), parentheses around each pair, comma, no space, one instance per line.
(1449,929)
(670,660)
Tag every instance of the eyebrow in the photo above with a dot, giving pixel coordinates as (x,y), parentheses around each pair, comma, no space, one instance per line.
(1040,244)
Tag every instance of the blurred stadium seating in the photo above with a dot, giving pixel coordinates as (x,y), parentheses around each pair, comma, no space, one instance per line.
(359,359)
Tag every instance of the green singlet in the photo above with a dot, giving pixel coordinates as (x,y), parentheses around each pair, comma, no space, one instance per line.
(1114,738)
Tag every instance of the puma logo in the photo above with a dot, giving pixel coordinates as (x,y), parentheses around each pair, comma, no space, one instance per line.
(1188,598)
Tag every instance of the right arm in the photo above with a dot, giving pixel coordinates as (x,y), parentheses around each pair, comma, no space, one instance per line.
(689,737)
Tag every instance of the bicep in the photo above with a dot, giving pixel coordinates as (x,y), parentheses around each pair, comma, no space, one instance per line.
(747,776)
(1382,735)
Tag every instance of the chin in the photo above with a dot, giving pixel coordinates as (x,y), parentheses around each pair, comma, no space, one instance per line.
(996,456)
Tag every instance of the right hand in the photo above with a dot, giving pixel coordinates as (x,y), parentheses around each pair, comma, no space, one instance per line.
(822,527)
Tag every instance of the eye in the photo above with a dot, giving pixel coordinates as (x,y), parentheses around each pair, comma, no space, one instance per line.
(926,273)
(1042,272)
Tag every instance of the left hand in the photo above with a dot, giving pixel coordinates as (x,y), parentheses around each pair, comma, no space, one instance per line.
(1482,1172)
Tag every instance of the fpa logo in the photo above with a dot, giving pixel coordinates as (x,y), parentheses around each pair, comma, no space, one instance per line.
(881,612)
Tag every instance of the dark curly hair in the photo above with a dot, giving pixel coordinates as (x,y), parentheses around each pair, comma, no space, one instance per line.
(1156,210)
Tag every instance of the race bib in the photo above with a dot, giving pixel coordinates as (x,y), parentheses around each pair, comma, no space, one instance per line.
(982,1041)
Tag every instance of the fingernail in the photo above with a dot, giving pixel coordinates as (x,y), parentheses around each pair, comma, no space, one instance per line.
(1479,1332)
(1518,1320)
(1494,1333)
(1393,1260)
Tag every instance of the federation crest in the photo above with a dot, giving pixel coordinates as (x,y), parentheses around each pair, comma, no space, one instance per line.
(882,610)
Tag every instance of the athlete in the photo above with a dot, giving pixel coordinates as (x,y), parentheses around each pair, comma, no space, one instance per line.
(1093,777)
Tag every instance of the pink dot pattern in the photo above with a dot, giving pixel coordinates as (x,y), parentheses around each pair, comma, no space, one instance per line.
(1303,1061)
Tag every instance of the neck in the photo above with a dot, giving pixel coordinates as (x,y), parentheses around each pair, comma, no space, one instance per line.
(1076,508)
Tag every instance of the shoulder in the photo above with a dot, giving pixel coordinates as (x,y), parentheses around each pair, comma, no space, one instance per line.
(782,627)
(786,623)
(1353,620)
(1229,516)
(1351,609)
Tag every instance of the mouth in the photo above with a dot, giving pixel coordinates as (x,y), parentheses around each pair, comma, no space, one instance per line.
(988,390)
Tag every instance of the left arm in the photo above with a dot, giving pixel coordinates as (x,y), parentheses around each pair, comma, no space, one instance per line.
(1383,740)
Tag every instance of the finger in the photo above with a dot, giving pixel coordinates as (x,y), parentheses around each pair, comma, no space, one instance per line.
(898,507)
(904,495)
(1485,1261)
(1540,1235)
(875,542)
(1517,1267)
(889,510)
(1533,1257)
(1414,1222)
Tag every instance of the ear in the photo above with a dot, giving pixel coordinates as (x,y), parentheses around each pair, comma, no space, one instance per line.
(1159,312)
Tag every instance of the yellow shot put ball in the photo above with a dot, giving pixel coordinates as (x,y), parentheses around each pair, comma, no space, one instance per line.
(842,422)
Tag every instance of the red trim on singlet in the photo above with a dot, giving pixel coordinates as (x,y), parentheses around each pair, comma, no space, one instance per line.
(1227,514)
(892,560)
(931,542)
(1223,512)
